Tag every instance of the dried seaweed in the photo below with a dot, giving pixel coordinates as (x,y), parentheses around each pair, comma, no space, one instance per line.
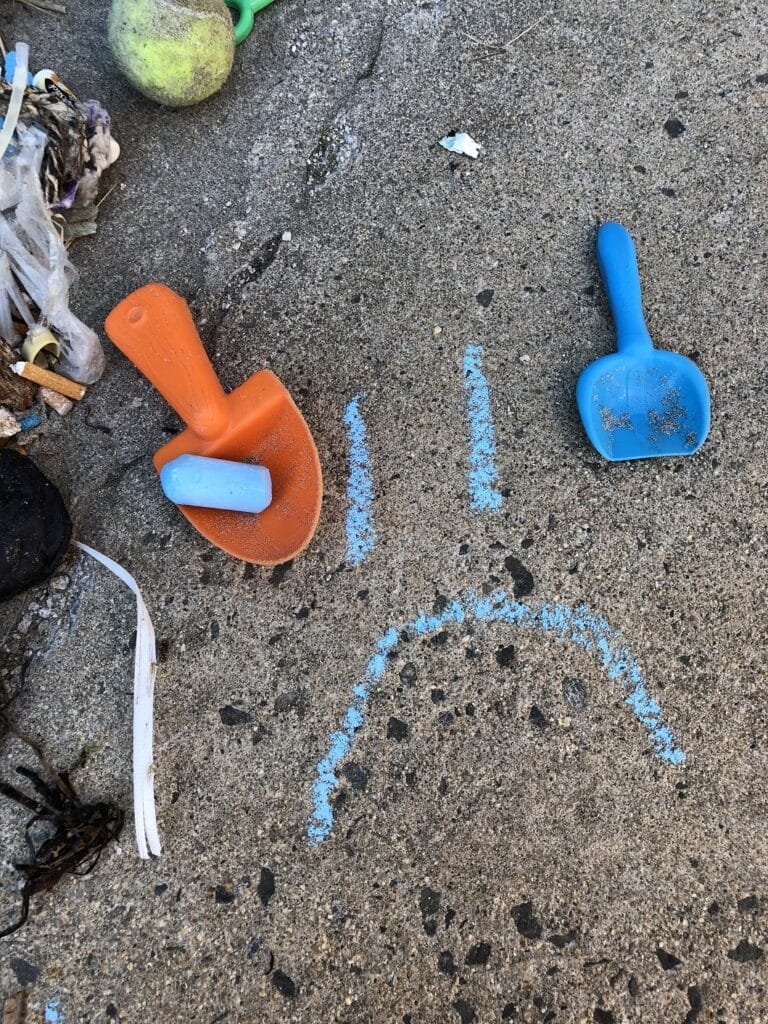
(77,834)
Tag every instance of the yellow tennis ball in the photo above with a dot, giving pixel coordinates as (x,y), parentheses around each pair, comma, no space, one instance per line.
(176,52)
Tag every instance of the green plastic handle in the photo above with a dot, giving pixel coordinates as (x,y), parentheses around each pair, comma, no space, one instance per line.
(246,10)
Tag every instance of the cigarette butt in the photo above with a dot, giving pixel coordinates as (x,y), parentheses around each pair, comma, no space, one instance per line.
(48,379)
(59,403)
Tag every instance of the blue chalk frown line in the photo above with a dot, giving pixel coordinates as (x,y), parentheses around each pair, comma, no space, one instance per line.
(360,532)
(579,626)
(53,1014)
(483,477)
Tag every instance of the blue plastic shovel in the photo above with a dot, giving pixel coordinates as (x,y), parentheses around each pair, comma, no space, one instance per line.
(639,402)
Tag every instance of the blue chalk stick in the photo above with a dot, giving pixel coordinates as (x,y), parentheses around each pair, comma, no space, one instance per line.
(216,483)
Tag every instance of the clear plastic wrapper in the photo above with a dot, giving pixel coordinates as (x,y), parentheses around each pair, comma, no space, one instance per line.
(38,258)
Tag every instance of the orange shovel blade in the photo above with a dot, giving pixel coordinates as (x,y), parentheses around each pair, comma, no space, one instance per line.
(268,430)
(258,422)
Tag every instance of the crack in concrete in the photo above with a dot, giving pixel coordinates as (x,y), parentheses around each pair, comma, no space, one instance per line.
(373,59)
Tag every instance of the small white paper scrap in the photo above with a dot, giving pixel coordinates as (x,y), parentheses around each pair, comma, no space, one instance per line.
(461,143)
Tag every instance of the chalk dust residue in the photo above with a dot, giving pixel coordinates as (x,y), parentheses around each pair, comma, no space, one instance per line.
(611,422)
(668,417)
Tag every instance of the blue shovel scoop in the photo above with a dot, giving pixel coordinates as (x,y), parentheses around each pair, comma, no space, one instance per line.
(639,402)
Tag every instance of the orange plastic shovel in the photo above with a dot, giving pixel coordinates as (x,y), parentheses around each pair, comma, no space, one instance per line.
(258,422)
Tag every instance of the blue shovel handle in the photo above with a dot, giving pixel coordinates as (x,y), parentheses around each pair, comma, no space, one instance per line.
(617,260)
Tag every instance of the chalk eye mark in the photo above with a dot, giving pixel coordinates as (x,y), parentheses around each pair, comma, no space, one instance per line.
(360,532)
(483,476)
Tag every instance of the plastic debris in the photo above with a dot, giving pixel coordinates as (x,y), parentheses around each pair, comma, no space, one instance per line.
(40,346)
(145,670)
(79,139)
(461,143)
(53,151)
(12,299)
(39,260)
(31,421)
(18,88)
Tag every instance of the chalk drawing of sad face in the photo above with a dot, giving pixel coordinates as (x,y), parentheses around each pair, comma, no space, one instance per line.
(494,819)
(483,817)
(578,626)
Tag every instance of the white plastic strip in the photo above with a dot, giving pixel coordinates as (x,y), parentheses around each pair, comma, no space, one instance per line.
(17,97)
(145,670)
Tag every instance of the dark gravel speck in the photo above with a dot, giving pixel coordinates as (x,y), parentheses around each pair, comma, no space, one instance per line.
(485,297)
(225,894)
(745,952)
(465,1011)
(696,1004)
(602,1016)
(284,985)
(575,693)
(160,889)
(537,717)
(505,656)
(509,1011)
(355,775)
(266,886)
(279,573)
(667,960)
(230,715)
(397,730)
(408,673)
(445,962)
(566,939)
(522,577)
(674,128)
(526,922)
(430,927)
(287,700)
(478,955)
(429,901)
(748,903)
(26,973)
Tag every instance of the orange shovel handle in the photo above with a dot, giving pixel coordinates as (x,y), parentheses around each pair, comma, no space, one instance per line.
(153,327)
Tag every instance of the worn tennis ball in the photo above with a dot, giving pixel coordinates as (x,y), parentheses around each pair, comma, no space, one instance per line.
(177,52)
